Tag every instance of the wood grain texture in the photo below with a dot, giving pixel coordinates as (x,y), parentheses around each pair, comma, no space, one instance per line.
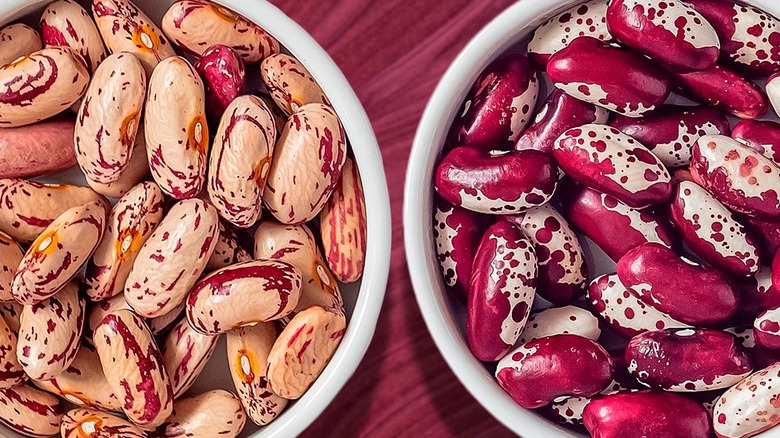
(394,52)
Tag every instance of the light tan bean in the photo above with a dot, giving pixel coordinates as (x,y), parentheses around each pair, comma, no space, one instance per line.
(161,323)
(185,353)
(30,412)
(228,251)
(290,84)
(17,40)
(83,383)
(11,312)
(243,295)
(247,354)
(91,423)
(108,118)
(41,85)
(59,253)
(343,226)
(216,413)
(125,28)
(303,349)
(10,257)
(50,332)
(196,25)
(295,244)
(66,23)
(11,372)
(173,258)
(137,171)
(241,159)
(177,143)
(130,223)
(28,207)
(134,368)
(306,165)
(100,310)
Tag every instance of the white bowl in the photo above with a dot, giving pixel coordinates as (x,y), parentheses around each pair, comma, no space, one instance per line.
(363,300)
(442,314)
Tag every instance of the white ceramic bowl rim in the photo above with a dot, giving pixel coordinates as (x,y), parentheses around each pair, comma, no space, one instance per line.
(362,324)
(497,37)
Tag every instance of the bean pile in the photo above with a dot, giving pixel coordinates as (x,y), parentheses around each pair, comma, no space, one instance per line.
(117,309)
(684,198)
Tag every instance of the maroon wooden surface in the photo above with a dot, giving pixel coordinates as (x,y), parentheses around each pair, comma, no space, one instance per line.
(394,52)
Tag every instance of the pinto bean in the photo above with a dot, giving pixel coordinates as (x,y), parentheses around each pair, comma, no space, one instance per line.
(91,423)
(11,371)
(17,40)
(30,412)
(228,250)
(10,257)
(10,312)
(66,23)
(137,171)
(185,353)
(290,84)
(215,413)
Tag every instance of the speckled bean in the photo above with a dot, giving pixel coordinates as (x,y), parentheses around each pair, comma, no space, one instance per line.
(162,323)
(59,253)
(10,256)
(303,350)
(761,135)
(50,332)
(130,223)
(224,78)
(215,413)
(749,407)
(66,23)
(134,368)
(589,18)
(766,329)
(241,160)
(17,40)
(306,165)
(40,85)
(757,295)
(137,171)
(295,245)
(11,372)
(247,354)
(177,143)
(91,423)
(125,28)
(228,250)
(173,258)
(195,25)
(100,310)
(290,84)
(726,90)
(108,118)
(30,412)
(10,312)
(560,320)
(185,353)
(243,294)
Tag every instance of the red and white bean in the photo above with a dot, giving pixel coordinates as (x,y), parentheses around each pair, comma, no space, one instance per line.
(560,320)
(185,353)
(749,407)
(30,412)
(586,19)
(289,83)
(10,256)
(224,77)
(18,40)
(761,135)
(228,251)
(724,89)
(195,416)
(65,23)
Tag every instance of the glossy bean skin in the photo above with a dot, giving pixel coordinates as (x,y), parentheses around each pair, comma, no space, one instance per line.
(195,25)
(59,253)
(562,272)
(712,231)
(136,172)
(50,332)
(503,288)
(749,407)
(210,414)
(161,324)
(725,90)
(17,40)
(185,353)
(28,207)
(228,251)
(243,295)
(761,135)
(177,144)
(773,93)
(41,85)
(742,179)
(30,412)
(39,149)
(241,160)
(109,116)
(224,78)
(496,182)
(11,372)
(586,19)
(92,423)
(303,350)
(66,23)
(690,293)
(766,329)
(765,233)
(134,368)
(600,217)
(607,160)
(664,415)
(125,28)
(560,113)
(98,311)
(670,131)
(457,232)
(499,106)
(10,256)
(624,312)
(671,33)
(83,383)
(540,371)
(560,320)
(295,245)
(172,258)
(289,83)
(130,223)
(302,176)
(585,70)
(247,354)
(757,295)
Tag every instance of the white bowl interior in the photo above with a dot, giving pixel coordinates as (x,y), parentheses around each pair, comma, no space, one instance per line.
(363,299)
(443,314)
